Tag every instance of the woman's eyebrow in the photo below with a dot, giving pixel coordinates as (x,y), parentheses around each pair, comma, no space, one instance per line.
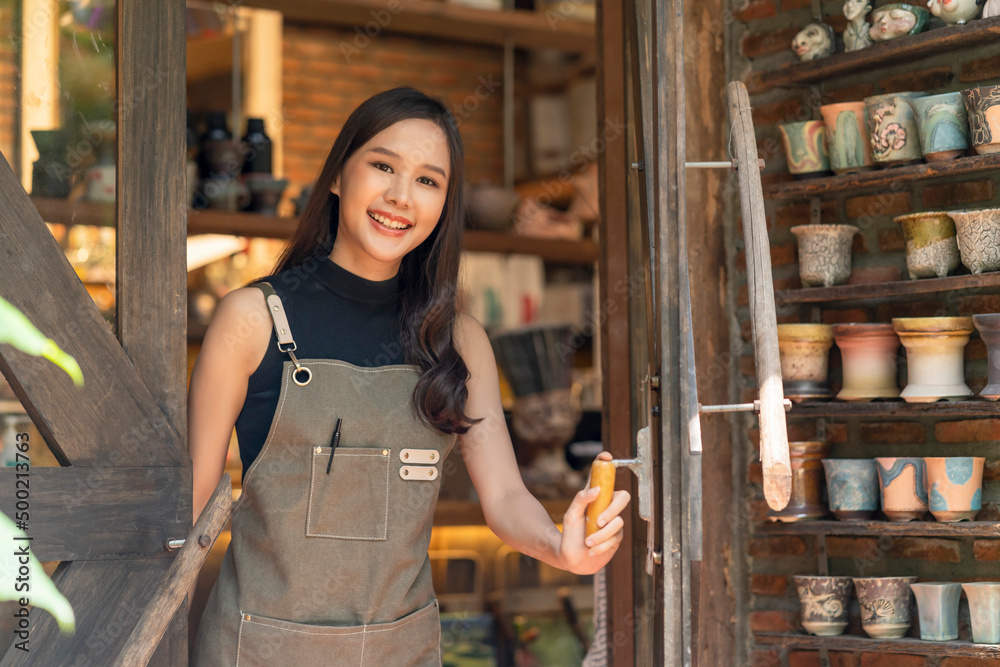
(386,151)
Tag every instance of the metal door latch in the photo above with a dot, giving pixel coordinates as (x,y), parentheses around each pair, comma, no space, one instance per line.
(641,465)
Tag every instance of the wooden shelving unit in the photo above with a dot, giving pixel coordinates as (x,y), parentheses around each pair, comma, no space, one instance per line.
(888,177)
(834,409)
(879,528)
(250,224)
(902,288)
(441,20)
(960,648)
(905,49)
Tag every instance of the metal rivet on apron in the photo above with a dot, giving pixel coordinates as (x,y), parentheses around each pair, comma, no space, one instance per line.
(385,452)
(406,456)
(274,307)
(430,473)
(406,472)
(246,617)
(282,332)
(318,450)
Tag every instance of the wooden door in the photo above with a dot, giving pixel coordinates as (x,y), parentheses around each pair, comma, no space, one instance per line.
(124,485)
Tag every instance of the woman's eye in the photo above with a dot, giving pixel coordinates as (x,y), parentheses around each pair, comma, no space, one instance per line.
(427,181)
(382,166)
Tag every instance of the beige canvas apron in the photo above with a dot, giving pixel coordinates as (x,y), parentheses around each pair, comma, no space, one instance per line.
(332,569)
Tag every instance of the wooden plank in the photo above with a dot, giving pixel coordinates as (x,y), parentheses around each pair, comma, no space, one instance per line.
(773,435)
(614,336)
(65,212)
(114,420)
(882,409)
(910,646)
(982,282)
(905,49)
(102,513)
(426,18)
(880,528)
(108,598)
(890,177)
(183,572)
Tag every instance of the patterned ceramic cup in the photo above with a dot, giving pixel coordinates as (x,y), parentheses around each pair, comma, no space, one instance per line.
(984,611)
(931,244)
(937,605)
(893,129)
(955,486)
(847,137)
(885,605)
(943,124)
(805,147)
(903,485)
(978,237)
(826,604)
(824,253)
(983,107)
(852,485)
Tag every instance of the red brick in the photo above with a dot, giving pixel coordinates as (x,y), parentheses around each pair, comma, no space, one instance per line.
(747,366)
(844,659)
(798,214)
(777,547)
(804,659)
(991,472)
(758,510)
(784,254)
(979,303)
(762,44)
(968,430)
(836,433)
(928,79)
(773,621)
(794,4)
(769,658)
(755,472)
(755,11)
(788,110)
(979,70)
(884,203)
(769,584)
(926,548)
(891,240)
(854,93)
(841,316)
(892,660)
(852,547)
(976,349)
(949,194)
(986,549)
(968,662)
(893,432)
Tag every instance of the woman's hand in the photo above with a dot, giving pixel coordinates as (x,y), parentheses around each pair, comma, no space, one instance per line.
(587,555)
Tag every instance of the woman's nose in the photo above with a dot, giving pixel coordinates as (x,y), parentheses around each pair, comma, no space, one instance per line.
(398,192)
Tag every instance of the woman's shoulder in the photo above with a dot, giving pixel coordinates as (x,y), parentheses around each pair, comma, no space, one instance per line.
(470,337)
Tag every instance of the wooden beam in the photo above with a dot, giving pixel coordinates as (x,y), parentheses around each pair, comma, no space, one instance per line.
(984,282)
(906,645)
(113,420)
(108,598)
(441,20)
(103,513)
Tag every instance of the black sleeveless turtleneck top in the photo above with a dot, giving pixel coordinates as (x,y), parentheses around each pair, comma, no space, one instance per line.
(333,314)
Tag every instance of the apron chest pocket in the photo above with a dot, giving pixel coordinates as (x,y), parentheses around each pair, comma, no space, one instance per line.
(352,502)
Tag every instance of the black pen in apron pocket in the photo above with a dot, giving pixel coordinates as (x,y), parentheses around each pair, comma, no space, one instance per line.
(334,441)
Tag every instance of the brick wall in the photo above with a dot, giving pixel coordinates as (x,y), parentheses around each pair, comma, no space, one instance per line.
(328,72)
(8,84)
(759,39)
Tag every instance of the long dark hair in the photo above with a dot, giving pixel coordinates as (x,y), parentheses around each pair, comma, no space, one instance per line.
(427,275)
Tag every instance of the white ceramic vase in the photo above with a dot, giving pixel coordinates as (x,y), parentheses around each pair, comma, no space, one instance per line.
(935,361)
(869,358)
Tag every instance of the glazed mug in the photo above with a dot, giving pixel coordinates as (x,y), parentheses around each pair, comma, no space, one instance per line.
(983,107)
(805,147)
(903,485)
(955,486)
(825,602)
(937,606)
(885,605)
(984,611)
(847,137)
(943,125)
(852,487)
(893,129)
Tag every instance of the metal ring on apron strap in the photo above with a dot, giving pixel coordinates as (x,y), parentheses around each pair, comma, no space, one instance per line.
(299,368)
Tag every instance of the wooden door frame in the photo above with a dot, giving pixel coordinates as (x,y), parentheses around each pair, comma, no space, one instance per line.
(124,487)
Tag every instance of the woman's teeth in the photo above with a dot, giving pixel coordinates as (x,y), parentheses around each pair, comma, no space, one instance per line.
(385,222)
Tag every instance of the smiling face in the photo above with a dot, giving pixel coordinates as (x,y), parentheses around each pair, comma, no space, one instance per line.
(391,193)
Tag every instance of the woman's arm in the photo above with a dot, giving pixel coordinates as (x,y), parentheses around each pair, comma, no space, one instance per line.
(510,510)
(233,347)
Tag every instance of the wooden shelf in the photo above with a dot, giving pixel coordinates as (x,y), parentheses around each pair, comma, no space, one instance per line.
(857,643)
(66,212)
(879,528)
(903,50)
(901,288)
(879,178)
(468,513)
(209,57)
(442,20)
(833,409)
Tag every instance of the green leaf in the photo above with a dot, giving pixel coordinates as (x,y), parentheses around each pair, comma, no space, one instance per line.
(17,330)
(41,592)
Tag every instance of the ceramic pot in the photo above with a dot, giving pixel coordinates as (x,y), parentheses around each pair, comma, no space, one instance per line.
(955,12)
(978,237)
(885,605)
(989,330)
(824,253)
(955,486)
(804,351)
(903,487)
(265,193)
(806,501)
(826,604)
(984,611)
(983,106)
(897,20)
(50,175)
(805,147)
(931,244)
(937,606)
(893,129)
(943,124)
(847,137)
(934,351)
(869,358)
(852,486)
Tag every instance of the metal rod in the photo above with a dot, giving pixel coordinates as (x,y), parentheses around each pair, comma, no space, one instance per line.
(173,545)
(739,407)
(710,165)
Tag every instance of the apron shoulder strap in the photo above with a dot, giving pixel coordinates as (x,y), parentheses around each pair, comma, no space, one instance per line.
(277,312)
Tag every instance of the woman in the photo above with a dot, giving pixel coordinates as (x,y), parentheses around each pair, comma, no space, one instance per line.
(352,361)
